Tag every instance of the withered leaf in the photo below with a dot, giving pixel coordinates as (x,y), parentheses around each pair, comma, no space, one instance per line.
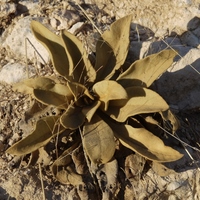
(62,168)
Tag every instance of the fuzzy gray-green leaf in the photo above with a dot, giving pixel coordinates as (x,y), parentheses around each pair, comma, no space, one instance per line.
(72,118)
(98,140)
(140,100)
(108,90)
(54,44)
(143,142)
(169,116)
(80,67)
(145,71)
(146,144)
(112,48)
(90,110)
(45,129)
(47,91)
(27,86)
(48,97)
(78,90)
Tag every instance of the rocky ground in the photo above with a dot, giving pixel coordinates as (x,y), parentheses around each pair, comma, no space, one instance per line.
(156,24)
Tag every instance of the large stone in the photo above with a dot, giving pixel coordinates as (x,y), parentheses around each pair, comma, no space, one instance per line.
(160,16)
(21,43)
(15,72)
(6,9)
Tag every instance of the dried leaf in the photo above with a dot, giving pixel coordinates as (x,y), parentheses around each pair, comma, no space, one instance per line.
(145,71)
(97,137)
(134,167)
(72,118)
(111,171)
(112,48)
(109,90)
(141,100)
(45,129)
(44,157)
(79,160)
(62,169)
(107,179)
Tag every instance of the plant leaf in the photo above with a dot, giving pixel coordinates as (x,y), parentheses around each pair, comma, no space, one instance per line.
(141,100)
(36,110)
(90,110)
(105,60)
(51,98)
(45,129)
(78,90)
(145,71)
(112,48)
(62,90)
(62,170)
(144,143)
(97,137)
(46,91)
(109,90)
(54,45)
(73,117)
(147,144)
(80,67)
(27,86)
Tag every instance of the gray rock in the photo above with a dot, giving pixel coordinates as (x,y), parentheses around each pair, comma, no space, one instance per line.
(173,185)
(15,72)
(64,19)
(14,40)
(161,18)
(6,9)
(76,27)
(32,7)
